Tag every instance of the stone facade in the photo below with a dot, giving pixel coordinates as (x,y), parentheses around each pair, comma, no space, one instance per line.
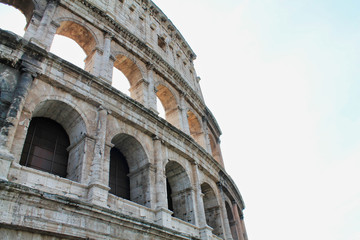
(177,185)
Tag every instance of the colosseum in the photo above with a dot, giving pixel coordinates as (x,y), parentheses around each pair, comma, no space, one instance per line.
(81,159)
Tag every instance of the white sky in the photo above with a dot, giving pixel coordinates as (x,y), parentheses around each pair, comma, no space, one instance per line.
(282,79)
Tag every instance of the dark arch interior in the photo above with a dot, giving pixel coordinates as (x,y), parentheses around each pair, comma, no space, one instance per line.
(231,221)
(169,198)
(119,181)
(45,147)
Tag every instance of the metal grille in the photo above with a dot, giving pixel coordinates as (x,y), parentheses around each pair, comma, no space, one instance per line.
(119,181)
(45,147)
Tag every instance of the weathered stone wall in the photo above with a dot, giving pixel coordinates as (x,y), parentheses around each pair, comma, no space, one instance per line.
(181,152)
(8,81)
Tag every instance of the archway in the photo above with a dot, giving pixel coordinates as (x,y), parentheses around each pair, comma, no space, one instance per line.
(179,191)
(25,6)
(130,150)
(215,149)
(120,82)
(75,43)
(231,220)
(170,105)
(196,131)
(45,147)
(212,209)
(130,77)
(119,181)
(52,123)
(12,16)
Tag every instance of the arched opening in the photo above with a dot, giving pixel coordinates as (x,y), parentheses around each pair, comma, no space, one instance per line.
(12,17)
(45,147)
(179,192)
(215,149)
(74,43)
(129,78)
(68,50)
(25,6)
(160,108)
(195,128)
(231,220)
(120,82)
(119,181)
(170,105)
(73,125)
(169,198)
(212,209)
(131,157)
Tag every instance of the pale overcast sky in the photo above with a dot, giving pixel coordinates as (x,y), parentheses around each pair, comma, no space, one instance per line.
(282,78)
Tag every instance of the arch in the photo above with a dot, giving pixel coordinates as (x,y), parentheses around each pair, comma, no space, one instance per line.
(81,35)
(129,68)
(45,147)
(170,104)
(73,124)
(138,167)
(119,181)
(120,82)
(231,220)
(36,102)
(65,114)
(215,149)
(212,209)
(180,191)
(78,32)
(12,19)
(195,128)
(27,7)
(133,73)
(160,108)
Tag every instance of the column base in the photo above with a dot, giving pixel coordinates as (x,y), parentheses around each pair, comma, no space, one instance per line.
(206,233)
(39,43)
(163,217)
(107,80)
(6,158)
(98,194)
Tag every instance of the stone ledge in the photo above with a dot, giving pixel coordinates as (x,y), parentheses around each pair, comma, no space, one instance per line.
(51,213)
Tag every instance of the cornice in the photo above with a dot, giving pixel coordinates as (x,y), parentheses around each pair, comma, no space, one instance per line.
(191,96)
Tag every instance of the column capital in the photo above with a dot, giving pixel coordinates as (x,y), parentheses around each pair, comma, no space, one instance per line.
(108,35)
(150,66)
(29,68)
(194,163)
(183,94)
(102,108)
(155,137)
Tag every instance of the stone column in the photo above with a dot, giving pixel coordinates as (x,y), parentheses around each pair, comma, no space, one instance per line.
(105,72)
(41,33)
(152,91)
(206,135)
(12,118)
(93,62)
(184,116)
(98,188)
(237,221)
(243,229)
(219,154)
(205,230)
(163,214)
(226,224)
(139,91)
